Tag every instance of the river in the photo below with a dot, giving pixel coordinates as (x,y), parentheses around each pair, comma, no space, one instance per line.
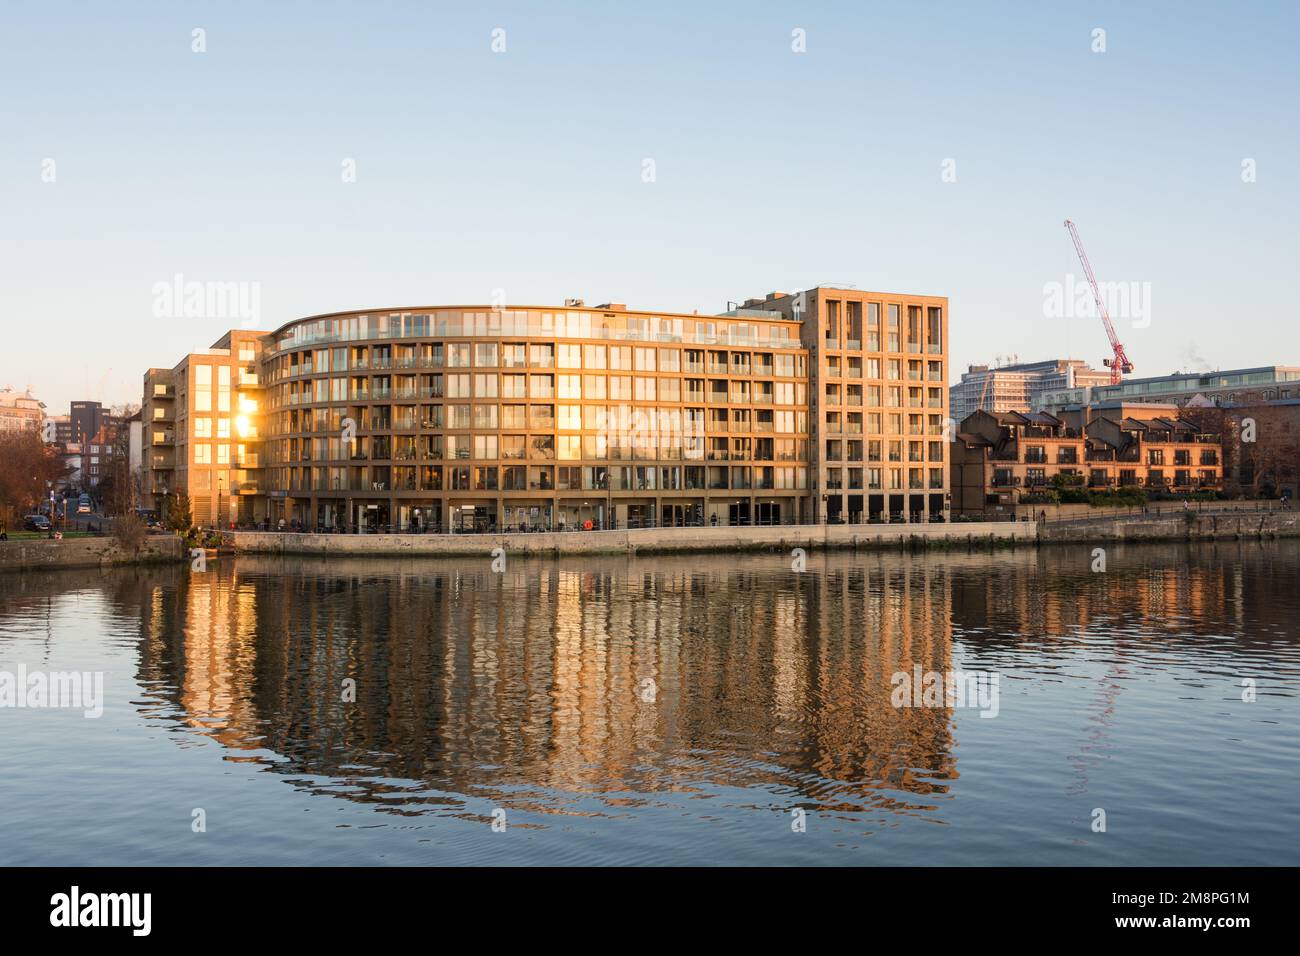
(676,710)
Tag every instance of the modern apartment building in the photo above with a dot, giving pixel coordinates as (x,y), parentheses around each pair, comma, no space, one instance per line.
(465,417)
(879,404)
(1000,459)
(1232,387)
(1018,387)
(201,422)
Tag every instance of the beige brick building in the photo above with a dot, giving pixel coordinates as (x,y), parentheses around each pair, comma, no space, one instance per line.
(829,405)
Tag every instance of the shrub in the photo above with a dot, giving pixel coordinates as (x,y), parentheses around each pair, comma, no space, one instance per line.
(129,532)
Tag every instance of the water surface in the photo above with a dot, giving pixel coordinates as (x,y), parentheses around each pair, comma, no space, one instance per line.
(662,710)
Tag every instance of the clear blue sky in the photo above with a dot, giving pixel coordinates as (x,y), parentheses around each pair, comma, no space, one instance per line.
(523,170)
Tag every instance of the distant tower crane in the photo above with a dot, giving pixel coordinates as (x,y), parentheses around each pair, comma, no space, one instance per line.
(1119,364)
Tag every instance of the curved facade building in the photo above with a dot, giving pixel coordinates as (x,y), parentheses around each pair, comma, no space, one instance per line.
(477,418)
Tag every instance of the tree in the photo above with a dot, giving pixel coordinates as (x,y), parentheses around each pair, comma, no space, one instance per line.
(179,518)
(27,469)
(120,487)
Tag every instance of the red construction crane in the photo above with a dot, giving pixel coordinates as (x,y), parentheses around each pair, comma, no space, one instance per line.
(1119,364)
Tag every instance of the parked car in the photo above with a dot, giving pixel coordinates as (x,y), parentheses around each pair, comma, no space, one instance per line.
(36,523)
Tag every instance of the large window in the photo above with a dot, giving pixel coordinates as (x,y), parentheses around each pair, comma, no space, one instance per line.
(203,388)
(569,447)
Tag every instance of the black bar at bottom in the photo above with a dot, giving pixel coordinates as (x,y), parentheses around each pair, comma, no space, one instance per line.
(329,906)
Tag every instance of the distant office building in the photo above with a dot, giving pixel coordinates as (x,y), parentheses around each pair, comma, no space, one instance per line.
(86,418)
(1267,383)
(57,429)
(1018,387)
(20,411)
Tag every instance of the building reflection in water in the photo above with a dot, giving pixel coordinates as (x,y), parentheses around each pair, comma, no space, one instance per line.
(619,680)
(615,679)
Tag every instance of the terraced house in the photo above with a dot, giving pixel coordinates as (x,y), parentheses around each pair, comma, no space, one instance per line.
(829,406)
(1007,458)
